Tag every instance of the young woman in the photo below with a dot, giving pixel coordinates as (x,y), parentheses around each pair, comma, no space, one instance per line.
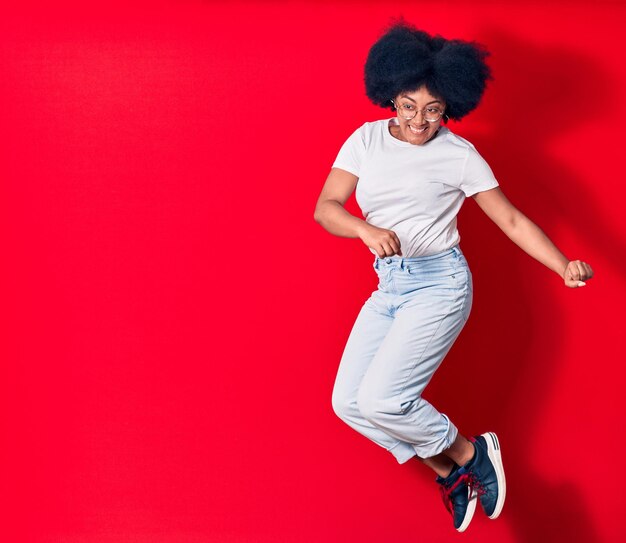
(411,175)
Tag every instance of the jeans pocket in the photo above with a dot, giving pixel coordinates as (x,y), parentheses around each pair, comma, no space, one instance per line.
(469,296)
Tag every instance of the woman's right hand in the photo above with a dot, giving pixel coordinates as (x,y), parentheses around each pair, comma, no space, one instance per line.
(384,242)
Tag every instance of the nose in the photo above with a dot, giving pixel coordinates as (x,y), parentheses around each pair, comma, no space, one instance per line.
(419,112)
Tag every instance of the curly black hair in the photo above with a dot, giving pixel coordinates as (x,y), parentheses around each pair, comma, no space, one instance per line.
(405,58)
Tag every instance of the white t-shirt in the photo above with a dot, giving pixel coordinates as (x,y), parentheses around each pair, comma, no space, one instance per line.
(414,190)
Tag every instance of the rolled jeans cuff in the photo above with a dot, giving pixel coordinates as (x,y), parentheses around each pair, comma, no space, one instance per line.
(427,450)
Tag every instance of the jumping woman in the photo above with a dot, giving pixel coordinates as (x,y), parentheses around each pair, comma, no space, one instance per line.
(412,174)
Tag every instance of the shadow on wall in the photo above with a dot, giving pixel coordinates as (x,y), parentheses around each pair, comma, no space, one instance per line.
(537,509)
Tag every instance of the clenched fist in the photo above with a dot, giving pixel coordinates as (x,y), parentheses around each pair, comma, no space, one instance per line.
(576,273)
(384,242)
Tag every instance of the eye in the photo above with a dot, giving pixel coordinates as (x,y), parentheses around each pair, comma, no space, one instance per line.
(407,106)
(433,110)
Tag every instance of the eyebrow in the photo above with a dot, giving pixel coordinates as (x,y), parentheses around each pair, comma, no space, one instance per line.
(405,96)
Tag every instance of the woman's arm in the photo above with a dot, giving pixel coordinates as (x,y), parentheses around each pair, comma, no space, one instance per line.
(330,213)
(529,237)
(329,210)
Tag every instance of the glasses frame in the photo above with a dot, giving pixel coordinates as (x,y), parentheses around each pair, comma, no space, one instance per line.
(422,111)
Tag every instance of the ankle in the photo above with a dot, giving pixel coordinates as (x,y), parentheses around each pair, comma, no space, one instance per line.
(471,456)
(446,473)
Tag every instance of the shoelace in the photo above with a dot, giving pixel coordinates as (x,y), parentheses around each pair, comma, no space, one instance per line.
(470,480)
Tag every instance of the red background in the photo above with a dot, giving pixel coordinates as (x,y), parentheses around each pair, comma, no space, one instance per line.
(173,317)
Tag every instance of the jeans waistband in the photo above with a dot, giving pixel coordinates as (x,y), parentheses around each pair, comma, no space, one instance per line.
(402,261)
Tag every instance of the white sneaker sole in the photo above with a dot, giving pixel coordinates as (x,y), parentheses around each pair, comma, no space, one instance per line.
(471,507)
(493,449)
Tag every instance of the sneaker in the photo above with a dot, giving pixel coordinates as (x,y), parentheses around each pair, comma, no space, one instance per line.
(487,473)
(458,497)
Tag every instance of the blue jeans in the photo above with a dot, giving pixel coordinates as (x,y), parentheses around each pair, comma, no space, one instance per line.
(400,337)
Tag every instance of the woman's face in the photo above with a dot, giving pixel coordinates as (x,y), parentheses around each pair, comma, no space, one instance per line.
(417,130)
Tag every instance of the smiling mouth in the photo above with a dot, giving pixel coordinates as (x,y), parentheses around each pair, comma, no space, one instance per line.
(418,130)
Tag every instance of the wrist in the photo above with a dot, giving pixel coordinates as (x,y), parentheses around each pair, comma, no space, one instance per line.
(361,228)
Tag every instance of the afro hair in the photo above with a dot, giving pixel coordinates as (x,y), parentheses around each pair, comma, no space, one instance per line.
(404,59)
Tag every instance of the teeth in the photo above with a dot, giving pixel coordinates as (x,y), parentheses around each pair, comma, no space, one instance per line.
(418,131)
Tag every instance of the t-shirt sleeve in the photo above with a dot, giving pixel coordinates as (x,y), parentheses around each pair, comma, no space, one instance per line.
(477,174)
(350,156)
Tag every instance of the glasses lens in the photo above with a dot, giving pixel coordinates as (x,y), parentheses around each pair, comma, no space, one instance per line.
(407,111)
(432,114)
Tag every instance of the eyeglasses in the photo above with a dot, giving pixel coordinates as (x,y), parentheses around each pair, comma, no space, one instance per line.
(408,111)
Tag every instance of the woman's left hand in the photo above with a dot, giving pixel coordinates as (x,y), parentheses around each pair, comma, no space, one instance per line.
(576,273)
